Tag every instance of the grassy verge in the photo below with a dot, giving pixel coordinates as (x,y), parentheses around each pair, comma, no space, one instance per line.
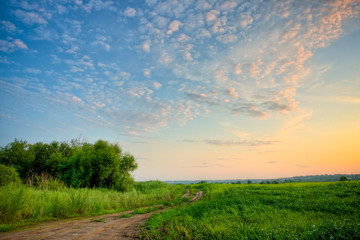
(279,211)
(21,205)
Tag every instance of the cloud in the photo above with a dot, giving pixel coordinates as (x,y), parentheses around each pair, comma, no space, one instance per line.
(232,93)
(250,110)
(228,5)
(99,5)
(73,50)
(174,26)
(156,85)
(30,18)
(32,70)
(203,33)
(101,42)
(212,15)
(8,26)
(150,2)
(147,72)
(241,59)
(272,162)
(165,58)
(130,12)
(146,46)
(134,121)
(252,143)
(161,22)
(11,46)
(245,20)
(196,96)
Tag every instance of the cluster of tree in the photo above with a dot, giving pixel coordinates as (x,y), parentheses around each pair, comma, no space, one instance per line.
(269,182)
(77,164)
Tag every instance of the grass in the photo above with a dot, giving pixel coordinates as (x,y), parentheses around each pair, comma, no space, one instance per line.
(22,205)
(98,220)
(251,211)
(140,211)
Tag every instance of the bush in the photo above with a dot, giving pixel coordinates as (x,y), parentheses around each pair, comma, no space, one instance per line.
(8,175)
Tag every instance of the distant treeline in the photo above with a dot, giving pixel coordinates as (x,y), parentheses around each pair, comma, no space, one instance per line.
(77,164)
(309,178)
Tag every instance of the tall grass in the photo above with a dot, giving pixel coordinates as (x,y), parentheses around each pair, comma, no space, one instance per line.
(19,203)
(281,211)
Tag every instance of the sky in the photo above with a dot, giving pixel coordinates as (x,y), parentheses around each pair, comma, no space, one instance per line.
(194,89)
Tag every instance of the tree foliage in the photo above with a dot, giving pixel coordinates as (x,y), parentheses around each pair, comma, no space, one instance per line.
(343,178)
(8,175)
(78,164)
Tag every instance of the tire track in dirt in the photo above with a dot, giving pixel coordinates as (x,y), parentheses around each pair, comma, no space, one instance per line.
(110,226)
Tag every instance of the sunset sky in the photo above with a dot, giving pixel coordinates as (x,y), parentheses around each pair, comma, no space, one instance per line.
(194,89)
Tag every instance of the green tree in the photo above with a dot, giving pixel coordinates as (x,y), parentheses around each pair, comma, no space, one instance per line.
(78,164)
(99,165)
(343,178)
(16,154)
(8,175)
(41,154)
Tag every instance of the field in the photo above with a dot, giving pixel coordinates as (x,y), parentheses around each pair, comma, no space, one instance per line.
(225,211)
(22,205)
(274,211)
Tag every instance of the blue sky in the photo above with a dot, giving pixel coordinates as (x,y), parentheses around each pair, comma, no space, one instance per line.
(194,89)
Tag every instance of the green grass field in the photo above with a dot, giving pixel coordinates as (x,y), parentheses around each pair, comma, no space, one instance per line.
(274,211)
(21,205)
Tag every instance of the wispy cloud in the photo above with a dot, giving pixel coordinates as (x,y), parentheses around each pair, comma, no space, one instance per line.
(252,143)
(98,5)
(248,143)
(13,45)
(30,18)
(8,26)
(32,70)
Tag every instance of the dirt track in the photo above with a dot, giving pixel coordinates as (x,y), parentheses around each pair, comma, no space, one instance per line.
(197,197)
(111,227)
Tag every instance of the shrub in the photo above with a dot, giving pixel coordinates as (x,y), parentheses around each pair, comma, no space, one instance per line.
(8,175)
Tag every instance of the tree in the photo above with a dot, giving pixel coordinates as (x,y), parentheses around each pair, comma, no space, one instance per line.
(249,182)
(78,164)
(17,155)
(99,165)
(343,178)
(8,175)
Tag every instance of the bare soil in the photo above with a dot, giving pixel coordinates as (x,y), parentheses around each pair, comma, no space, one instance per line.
(110,226)
(197,197)
(186,194)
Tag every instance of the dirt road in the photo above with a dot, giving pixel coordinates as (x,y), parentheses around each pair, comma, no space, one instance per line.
(110,226)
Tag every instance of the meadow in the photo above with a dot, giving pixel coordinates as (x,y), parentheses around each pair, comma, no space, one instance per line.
(23,205)
(272,211)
